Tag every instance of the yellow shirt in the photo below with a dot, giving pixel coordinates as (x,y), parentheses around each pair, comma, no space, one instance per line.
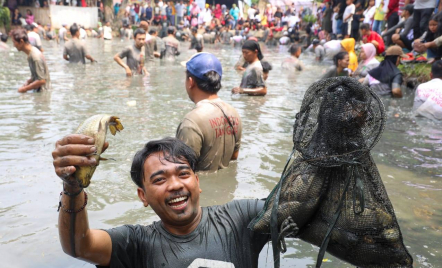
(379,14)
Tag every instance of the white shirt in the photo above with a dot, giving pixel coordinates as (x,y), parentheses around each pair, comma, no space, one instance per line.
(34,39)
(83,33)
(422,4)
(251,13)
(428,99)
(107,32)
(369,14)
(350,9)
(62,33)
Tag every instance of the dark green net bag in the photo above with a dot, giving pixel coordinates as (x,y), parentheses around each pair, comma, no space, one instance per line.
(330,193)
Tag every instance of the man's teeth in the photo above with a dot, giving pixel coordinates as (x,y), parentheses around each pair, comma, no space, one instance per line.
(176,200)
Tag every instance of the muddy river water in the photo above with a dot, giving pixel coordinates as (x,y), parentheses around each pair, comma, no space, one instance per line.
(409,154)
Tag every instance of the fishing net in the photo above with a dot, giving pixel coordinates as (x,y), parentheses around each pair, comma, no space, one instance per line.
(330,193)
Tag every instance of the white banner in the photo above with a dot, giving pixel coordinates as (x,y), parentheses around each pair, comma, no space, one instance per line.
(86,16)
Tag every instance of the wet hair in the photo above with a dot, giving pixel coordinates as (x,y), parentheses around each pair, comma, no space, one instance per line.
(194,30)
(199,47)
(28,27)
(296,38)
(74,29)
(294,48)
(365,26)
(212,85)
(171,30)
(436,69)
(4,38)
(139,31)
(266,66)
(152,32)
(174,150)
(340,56)
(20,34)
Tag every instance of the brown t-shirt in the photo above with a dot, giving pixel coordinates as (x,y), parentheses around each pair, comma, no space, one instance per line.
(39,69)
(206,130)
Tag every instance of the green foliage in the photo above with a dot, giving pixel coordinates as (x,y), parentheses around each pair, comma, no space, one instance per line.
(5,17)
(309,18)
(419,71)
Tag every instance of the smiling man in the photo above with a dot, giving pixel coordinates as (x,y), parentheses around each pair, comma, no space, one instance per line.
(187,235)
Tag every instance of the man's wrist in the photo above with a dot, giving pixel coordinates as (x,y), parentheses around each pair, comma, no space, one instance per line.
(71,189)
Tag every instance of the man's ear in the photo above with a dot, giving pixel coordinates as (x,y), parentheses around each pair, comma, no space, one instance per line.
(198,181)
(192,82)
(142,195)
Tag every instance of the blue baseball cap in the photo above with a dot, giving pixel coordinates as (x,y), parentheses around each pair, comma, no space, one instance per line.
(202,63)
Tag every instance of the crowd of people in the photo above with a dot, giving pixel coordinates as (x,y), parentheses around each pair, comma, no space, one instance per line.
(348,39)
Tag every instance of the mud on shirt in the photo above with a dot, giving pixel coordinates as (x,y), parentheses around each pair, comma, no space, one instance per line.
(221,238)
(253,76)
(132,55)
(76,50)
(206,130)
(39,68)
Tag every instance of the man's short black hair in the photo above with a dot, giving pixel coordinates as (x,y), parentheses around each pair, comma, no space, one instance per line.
(174,150)
(194,30)
(28,27)
(266,66)
(139,31)
(365,26)
(436,69)
(74,29)
(170,30)
(198,47)
(294,48)
(152,32)
(212,85)
(20,34)
(4,38)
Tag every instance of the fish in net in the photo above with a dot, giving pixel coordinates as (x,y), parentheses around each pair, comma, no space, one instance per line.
(330,193)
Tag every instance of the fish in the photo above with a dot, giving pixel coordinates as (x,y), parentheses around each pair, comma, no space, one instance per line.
(96,127)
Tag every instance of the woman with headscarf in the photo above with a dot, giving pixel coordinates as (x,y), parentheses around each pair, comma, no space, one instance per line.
(348,44)
(368,61)
(387,78)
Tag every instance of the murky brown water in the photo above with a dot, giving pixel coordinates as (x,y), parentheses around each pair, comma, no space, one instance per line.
(409,155)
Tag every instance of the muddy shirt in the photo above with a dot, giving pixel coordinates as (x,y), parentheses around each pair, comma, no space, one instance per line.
(253,76)
(206,130)
(34,39)
(196,40)
(226,36)
(221,238)
(39,69)
(172,47)
(75,50)
(132,55)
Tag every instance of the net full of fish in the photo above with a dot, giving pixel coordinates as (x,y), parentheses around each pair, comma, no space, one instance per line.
(331,193)
(96,127)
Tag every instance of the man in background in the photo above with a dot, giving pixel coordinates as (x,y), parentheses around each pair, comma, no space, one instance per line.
(75,50)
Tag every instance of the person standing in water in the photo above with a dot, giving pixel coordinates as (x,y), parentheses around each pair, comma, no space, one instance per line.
(340,68)
(252,82)
(213,128)
(74,50)
(172,44)
(39,70)
(134,55)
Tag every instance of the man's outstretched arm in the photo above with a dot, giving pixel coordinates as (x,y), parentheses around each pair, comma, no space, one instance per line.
(77,240)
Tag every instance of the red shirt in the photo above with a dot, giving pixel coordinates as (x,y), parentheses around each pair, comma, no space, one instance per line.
(374,36)
(393,6)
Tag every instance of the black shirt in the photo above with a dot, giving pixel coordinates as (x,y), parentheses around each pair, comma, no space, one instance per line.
(221,236)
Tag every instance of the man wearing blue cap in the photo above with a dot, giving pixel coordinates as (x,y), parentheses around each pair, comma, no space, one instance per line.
(213,128)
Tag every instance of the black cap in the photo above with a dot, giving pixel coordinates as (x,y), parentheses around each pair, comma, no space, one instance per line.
(409,8)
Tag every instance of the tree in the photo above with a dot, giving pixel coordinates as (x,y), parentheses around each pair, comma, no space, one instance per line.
(5,16)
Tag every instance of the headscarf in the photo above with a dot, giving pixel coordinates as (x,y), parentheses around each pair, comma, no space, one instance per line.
(349,45)
(370,53)
(253,45)
(386,70)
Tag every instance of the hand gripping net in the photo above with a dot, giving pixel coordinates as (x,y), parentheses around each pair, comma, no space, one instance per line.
(330,191)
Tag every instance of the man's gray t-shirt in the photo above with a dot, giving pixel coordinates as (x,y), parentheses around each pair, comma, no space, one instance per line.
(172,47)
(226,37)
(253,76)
(222,237)
(320,52)
(206,130)
(39,68)
(132,55)
(75,50)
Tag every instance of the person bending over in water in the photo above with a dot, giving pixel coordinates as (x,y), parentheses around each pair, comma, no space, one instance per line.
(164,172)
(252,82)
(134,55)
(293,62)
(74,50)
(266,68)
(37,63)
(340,68)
